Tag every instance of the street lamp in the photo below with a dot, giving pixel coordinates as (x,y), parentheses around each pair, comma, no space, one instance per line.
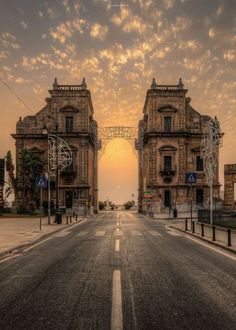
(45,132)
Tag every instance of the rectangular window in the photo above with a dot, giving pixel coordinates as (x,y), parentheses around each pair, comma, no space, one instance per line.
(69,124)
(167,163)
(167,124)
(199,163)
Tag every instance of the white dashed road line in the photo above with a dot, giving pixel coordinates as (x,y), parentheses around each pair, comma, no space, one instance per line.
(154,233)
(100,233)
(136,233)
(173,233)
(82,233)
(116,315)
(117,245)
(62,234)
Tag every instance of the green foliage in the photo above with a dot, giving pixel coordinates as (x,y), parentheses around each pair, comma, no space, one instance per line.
(128,205)
(31,166)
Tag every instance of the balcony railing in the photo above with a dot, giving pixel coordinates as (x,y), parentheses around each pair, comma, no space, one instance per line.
(71,169)
(168,170)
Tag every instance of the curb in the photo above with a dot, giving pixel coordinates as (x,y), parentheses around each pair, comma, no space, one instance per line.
(18,248)
(205,240)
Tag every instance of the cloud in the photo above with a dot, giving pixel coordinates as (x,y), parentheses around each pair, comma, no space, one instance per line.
(67,29)
(24,25)
(129,22)
(3,54)
(8,40)
(168,4)
(230,55)
(99,31)
(40,14)
(189,44)
(52,13)
(212,33)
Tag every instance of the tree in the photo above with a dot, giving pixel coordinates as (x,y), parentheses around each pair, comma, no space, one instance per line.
(11,182)
(31,166)
(101,205)
(128,205)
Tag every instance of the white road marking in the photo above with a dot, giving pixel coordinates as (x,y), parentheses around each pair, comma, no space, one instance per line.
(47,239)
(62,234)
(82,233)
(117,245)
(136,233)
(118,233)
(173,233)
(154,233)
(117,229)
(116,315)
(225,254)
(100,233)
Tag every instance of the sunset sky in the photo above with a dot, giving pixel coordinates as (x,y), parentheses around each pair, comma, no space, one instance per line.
(119,46)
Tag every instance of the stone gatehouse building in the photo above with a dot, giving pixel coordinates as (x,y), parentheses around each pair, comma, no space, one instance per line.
(169,147)
(70,108)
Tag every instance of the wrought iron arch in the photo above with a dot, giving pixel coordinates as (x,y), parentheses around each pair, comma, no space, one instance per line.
(106,134)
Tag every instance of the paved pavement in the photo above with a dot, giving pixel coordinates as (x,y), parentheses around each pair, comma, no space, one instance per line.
(119,270)
(15,232)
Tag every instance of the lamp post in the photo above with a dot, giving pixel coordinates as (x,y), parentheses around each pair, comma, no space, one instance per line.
(45,132)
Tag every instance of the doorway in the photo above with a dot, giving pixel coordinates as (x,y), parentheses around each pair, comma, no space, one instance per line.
(199,197)
(69,199)
(167,198)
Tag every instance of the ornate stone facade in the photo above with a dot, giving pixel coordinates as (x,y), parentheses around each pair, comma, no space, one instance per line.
(70,108)
(230,180)
(169,146)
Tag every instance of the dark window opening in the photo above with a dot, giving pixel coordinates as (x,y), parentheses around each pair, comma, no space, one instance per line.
(69,124)
(167,124)
(199,163)
(167,163)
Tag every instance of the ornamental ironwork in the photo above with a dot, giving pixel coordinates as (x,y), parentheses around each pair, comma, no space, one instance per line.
(59,153)
(211,141)
(106,134)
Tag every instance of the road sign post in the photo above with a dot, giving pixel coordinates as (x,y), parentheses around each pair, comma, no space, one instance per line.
(191,179)
(41,182)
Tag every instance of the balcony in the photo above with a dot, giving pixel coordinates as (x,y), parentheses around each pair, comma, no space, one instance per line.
(168,170)
(71,169)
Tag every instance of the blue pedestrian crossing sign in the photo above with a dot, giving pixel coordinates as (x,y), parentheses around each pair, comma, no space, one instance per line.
(191,177)
(41,182)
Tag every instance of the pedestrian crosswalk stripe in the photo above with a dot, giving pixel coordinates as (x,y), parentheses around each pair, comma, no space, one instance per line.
(82,233)
(118,233)
(63,234)
(100,233)
(154,233)
(173,233)
(136,233)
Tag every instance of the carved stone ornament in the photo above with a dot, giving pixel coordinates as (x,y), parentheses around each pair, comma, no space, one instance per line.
(30,122)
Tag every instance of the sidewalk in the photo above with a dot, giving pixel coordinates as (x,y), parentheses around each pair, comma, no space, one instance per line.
(220,235)
(17,232)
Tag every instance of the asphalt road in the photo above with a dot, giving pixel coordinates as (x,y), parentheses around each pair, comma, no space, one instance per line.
(119,270)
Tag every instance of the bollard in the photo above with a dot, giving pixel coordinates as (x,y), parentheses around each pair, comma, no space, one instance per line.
(186,224)
(76,217)
(202,231)
(229,237)
(70,219)
(213,233)
(67,220)
(193,227)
